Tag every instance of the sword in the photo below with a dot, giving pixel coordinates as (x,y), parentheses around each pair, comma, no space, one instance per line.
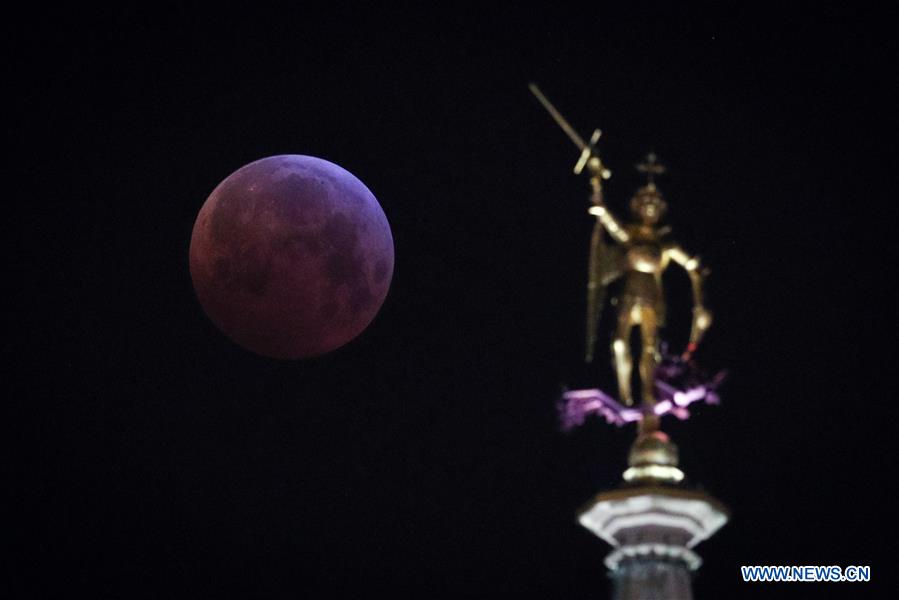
(588,150)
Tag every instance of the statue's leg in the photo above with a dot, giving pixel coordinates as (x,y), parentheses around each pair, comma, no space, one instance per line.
(649,353)
(621,352)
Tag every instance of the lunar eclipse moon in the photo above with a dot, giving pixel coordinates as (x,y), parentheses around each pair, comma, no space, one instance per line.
(291,256)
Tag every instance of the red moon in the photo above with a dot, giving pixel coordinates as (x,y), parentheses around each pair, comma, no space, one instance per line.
(291,256)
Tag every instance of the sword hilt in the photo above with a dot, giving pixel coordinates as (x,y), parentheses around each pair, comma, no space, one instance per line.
(590,158)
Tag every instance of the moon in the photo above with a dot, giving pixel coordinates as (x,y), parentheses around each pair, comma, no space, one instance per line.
(291,256)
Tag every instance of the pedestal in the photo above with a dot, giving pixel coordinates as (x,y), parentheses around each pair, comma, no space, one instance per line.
(653,529)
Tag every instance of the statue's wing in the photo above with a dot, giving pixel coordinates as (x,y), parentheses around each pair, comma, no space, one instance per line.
(604,268)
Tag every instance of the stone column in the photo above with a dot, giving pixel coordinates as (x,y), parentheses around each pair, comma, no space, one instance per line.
(652,522)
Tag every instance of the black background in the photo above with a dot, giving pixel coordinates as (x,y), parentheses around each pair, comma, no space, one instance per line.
(154,458)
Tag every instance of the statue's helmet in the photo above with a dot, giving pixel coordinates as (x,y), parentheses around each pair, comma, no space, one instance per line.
(648,205)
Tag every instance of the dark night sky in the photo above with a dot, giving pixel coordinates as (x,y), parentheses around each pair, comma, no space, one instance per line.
(154,458)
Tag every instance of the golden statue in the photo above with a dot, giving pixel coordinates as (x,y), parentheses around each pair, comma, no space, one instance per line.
(638,254)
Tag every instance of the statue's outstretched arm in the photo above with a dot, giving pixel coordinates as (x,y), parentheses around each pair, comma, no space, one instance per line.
(599,210)
(702,318)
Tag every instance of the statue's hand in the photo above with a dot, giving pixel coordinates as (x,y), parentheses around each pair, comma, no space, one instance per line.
(596,184)
(702,318)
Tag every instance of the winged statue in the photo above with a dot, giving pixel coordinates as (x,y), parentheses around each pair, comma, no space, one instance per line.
(632,255)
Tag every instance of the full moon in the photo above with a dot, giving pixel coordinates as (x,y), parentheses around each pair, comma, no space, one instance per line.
(291,256)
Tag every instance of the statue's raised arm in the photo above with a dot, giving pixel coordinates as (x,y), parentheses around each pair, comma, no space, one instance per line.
(602,213)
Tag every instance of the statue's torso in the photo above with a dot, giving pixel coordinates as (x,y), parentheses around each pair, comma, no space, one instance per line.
(645,258)
(644,261)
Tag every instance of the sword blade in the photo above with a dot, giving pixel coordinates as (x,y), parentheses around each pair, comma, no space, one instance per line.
(557,116)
